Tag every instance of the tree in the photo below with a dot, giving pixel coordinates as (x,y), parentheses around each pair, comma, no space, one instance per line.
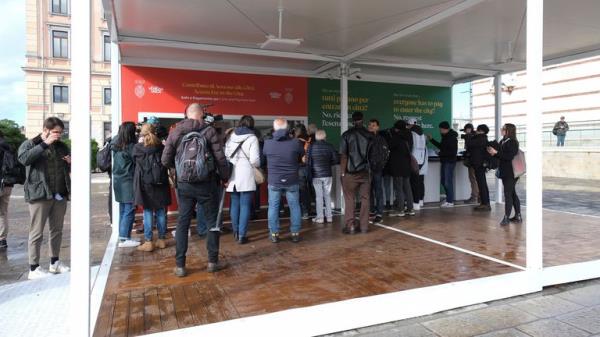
(12,132)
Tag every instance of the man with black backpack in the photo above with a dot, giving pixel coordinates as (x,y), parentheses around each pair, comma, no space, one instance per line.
(378,158)
(194,149)
(11,173)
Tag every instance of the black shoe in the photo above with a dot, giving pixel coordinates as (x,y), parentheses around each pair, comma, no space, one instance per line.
(483,208)
(376,220)
(275,237)
(505,221)
(295,237)
(225,230)
(202,235)
(215,267)
(516,219)
(243,240)
(305,216)
(180,272)
(349,231)
(3,244)
(236,235)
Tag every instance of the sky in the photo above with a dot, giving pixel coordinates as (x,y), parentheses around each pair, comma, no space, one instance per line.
(12,58)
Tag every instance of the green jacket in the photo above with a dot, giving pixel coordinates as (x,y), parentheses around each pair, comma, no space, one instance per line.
(33,154)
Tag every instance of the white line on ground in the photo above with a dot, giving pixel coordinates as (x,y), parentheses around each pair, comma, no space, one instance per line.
(462,250)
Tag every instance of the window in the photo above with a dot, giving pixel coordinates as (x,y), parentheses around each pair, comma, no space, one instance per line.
(65,134)
(60,7)
(60,94)
(106,49)
(107,131)
(60,44)
(107,96)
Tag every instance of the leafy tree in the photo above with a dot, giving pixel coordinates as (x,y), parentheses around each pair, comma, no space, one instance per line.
(12,132)
(93,148)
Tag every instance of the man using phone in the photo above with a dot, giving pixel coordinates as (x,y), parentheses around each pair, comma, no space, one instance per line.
(47,189)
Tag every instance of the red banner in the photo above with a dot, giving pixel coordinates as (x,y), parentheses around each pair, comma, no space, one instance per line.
(146,89)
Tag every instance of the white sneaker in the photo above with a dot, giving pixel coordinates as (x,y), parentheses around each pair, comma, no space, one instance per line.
(173,233)
(319,221)
(447,205)
(421,203)
(38,273)
(416,207)
(128,244)
(58,268)
(398,214)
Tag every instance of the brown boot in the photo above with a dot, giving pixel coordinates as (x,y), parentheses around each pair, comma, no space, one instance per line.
(161,244)
(146,247)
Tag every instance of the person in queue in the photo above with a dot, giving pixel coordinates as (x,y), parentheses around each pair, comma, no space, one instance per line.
(419,151)
(321,158)
(469,133)
(242,151)
(283,155)
(400,161)
(477,147)
(196,152)
(506,152)
(379,156)
(354,164)
(151,186)
(448,148)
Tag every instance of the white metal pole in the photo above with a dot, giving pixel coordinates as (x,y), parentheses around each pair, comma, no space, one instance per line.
(80,169)
(115,82)
(343,115)
(498,125)
(535,26)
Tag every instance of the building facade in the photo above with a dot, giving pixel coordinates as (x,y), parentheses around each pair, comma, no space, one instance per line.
(570,89)
(48,66)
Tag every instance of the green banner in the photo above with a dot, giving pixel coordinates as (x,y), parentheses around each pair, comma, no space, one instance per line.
(386,102)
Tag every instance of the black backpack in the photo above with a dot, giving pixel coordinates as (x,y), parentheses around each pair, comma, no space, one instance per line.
(379,154)
(194,161)
(490,162)
(104,158)
(12,172)
(153,172)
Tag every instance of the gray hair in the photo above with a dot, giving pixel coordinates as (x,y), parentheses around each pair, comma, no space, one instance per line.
(280,124)
(320,135)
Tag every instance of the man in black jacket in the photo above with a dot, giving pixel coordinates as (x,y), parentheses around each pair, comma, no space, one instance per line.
(448,149)
(354,149)
(379,146)
(5,191)
(469,132)
(321,159)
(477,147)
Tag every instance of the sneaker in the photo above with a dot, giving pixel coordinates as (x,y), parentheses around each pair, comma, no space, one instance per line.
(180,272)
(161,244)
(516,219)
(329,220)
(447,205)
(295,237)
(398,214)
(243,240)
(275,237)
(421,203)
(148,246)
(471,200)
(315,220)
(416,206)
(128,244)
(37,274)
(305,216)
(410,212)
(58,268)
(3,245)
(505,221)
(483,208)
(215,267)
(376,220)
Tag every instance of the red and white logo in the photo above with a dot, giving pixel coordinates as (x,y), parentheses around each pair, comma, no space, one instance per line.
(139,89)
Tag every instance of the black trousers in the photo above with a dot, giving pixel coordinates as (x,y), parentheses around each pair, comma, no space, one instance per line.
(417,185)
(110,197)
(511,199)
(188,195)
(484,192)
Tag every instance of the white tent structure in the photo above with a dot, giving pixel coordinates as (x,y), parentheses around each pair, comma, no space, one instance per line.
(430,42)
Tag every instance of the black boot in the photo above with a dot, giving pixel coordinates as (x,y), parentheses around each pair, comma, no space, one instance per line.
(517,218)
(505,221)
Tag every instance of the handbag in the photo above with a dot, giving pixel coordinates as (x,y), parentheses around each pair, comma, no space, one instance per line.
(519,165)
(259,175)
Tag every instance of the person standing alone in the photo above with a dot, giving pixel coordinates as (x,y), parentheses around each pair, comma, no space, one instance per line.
(560,131)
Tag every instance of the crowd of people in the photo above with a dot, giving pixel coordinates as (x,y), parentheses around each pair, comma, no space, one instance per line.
(381,170)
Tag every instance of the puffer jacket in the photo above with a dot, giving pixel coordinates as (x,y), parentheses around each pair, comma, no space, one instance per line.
(321,159)
(476,145)
(448,147)
(244,160)
(33,154)
(282,155)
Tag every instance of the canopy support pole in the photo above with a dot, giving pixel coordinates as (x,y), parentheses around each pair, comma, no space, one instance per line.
(498,126)
(343,116)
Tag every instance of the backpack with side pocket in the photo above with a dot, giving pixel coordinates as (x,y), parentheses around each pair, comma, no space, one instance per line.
(153,172)
(194,161)
(379,154)
(104,158)
(12,172)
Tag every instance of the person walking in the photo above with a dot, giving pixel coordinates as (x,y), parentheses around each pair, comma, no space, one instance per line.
(47,189)
(321,158)
(506,152)
(400,161)
(448,148)
(242,151)
(560,131)
(151,186)
(419,151)
(354,163)
(477,147)
(283,155)
(194,149)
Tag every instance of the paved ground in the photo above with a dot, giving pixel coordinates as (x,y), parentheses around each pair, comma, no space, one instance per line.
(571,310)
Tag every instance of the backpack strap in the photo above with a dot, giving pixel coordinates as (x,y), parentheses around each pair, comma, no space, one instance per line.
(238,149)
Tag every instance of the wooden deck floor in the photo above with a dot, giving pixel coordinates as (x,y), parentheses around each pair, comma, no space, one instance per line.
(143,296)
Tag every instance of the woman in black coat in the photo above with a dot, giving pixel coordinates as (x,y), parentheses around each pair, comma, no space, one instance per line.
(507,150)
(476,145)
(151,186)
(400,146)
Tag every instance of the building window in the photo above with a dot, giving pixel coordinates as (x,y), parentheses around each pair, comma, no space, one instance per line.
(107,96)
(60,94)
(60,7)
(65,134)
(106,38)
(60,44)
(107,131)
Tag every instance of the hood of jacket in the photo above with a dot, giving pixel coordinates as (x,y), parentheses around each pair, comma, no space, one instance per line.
(417,129)
(280,135)
(452,134)
(240,137)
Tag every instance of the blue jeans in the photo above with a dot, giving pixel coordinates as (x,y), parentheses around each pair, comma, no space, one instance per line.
(377,193)
(447,180)
(293,198)
(241,206)
(560,140)
(161,223)
(126,219)
(200,220)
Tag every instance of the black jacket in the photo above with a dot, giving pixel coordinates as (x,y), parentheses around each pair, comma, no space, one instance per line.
(145,195)
(400,150)
(448,147)
(4,148)
(476,146)
(354,146)
(507,150)
(321,159)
